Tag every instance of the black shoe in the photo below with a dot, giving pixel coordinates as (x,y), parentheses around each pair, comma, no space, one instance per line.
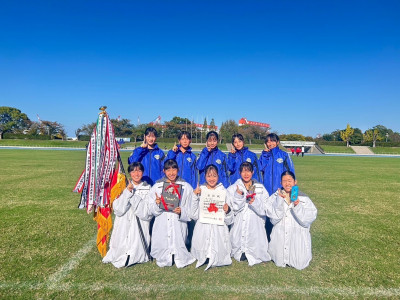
(243,257)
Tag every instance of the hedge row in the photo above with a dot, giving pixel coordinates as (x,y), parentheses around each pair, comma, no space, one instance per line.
(15,136)
(331,143)
(388,144)
(369,144)
(84,138)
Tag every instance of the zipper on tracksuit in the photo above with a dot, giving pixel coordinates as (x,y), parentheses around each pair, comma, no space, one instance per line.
(182,165)
(193,173)
(272,171)
(151,151)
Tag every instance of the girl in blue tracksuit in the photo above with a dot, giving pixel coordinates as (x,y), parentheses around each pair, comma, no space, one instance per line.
(185,158)
(239,154)
(212,155)
(150,155)
(273,162)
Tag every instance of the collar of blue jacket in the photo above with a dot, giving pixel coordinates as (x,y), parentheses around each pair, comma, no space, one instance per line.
(214,150)
(154,148)
(242,150)
(189,149)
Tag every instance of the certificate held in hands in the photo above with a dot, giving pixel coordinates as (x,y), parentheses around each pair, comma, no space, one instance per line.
(171,196)
(211,207)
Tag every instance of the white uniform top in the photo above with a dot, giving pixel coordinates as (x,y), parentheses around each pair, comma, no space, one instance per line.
(125,238)
(169,229)
(248,234)
(210,240)
(290,237)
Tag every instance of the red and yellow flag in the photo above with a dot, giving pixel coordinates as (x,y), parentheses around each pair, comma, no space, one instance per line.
(103,178)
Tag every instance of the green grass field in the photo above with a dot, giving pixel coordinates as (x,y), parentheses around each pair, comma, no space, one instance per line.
(337,149)
(44,143)
(47,247)
(168,146)
(386,150)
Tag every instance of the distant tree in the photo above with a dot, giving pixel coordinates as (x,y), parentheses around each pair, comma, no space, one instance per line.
(160,130)
(174,126)
(34,128)
(78,132)
(336,135)
(172,129)
(382,130)
(122,128)
(212,125)
(292,137)
(86,129)
(387,134)
(12,120)
(327,137)
(395,137)
(372,135)
(228,129)
(309,138)
(53,129)
(346,134)
(205,125)
(357,137)
(179,120)
(260,133)
(250,132)
(138,132)
(247,132)
(203,130)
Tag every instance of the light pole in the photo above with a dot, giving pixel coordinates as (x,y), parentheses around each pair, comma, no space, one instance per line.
(191,128)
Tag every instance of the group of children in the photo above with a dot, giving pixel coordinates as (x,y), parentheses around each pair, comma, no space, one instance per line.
(249,203)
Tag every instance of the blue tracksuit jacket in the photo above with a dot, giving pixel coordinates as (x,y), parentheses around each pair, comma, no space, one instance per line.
(216,157)
(152,160)
(187,165)
(272,164)
(236,159)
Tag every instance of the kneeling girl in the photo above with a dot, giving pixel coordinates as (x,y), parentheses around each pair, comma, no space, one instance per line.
(130,237)
(290,237)
(170,226)
(248,235)
(211,241)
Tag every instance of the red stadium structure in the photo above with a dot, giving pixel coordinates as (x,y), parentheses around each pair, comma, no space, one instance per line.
(157,121)
(244,121)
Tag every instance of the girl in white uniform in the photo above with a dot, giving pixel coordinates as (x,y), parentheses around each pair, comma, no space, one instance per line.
(290,238)
(170,227)
(248,235)
(211,241)
(126,244)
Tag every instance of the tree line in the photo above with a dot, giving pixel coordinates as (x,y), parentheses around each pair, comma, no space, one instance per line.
(355,136)
(169,130)
(15,122)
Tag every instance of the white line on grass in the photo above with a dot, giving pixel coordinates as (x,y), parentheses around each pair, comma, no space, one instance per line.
(55,283)
(259,290)
(60,274)
(24,285)
(251,290)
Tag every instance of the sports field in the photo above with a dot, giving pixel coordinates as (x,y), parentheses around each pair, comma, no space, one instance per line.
(47,245)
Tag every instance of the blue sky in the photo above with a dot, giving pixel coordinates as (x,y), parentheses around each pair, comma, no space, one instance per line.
(304,67)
